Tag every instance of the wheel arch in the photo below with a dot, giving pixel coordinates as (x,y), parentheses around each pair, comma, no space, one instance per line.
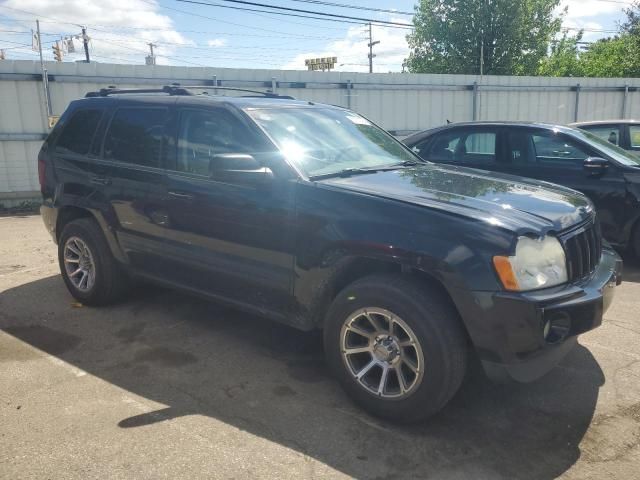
(350,269)
(69,213)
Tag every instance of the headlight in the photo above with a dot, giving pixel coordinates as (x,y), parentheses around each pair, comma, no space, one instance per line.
(538,263)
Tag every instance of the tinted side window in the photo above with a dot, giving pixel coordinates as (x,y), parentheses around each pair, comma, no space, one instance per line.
(554,149)
(205,133)
(634,136)
(463,146)
(77,135)
(610,133)
(135,136)
(481,145)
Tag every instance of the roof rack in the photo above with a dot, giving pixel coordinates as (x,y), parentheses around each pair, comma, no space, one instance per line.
(255,92)
(111,90)
(176,89)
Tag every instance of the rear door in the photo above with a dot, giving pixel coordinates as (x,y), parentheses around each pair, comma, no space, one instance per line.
(474,146)
(133,148)
(557,158)
(228,237)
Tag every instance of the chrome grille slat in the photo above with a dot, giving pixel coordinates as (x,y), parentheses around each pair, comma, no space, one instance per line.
(583,247)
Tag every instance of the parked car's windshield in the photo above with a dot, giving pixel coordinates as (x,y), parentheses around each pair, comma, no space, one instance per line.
(614,151)
(322,141)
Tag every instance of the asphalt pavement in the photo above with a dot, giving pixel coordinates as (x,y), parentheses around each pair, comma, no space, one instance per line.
(165,385)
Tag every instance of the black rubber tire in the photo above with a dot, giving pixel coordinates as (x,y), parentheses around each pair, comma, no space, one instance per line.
(111,282)
(438,328)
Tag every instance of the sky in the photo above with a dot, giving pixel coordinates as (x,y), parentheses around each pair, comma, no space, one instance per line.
(204,35)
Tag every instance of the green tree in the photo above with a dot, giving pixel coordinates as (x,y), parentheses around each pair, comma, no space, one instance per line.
(617,56)
(564,58)
(513,36)
(632,25)
(612,57)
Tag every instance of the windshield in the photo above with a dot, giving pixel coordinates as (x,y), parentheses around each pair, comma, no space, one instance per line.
(608,148)
(322,141)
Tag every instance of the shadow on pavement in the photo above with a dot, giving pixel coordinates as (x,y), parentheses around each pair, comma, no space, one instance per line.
(631,271)
(270,380)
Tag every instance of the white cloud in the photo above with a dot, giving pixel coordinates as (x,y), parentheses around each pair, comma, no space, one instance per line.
(119,30)
(217,42)
(590,8)
(352,51)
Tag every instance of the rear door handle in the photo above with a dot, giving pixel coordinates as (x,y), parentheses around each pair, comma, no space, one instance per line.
(99,180)
(181,195)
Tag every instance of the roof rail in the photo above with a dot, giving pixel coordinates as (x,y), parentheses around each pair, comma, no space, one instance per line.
(111,90)
(176,89)
(256,92)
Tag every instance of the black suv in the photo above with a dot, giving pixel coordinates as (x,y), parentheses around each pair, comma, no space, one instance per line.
(312,216)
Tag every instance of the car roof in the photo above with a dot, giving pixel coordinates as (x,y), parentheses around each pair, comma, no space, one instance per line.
(242,102)
(484,123)
(604,122)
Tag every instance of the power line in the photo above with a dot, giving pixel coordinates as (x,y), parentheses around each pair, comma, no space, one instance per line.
(355,7)
(252,12)
(329,16)
(199,15)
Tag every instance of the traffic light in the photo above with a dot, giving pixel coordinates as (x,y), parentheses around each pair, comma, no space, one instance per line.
(57,52)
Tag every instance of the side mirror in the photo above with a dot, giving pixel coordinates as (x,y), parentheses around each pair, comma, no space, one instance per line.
(595,166)
(240,168)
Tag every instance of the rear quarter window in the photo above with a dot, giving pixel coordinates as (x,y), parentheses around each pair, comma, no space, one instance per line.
(135,136)
(78,133)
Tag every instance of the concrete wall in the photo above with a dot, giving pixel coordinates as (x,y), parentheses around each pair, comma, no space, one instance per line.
(401,103)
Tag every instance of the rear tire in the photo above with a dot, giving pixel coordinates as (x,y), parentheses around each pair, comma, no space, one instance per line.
(91,274)
(424,352)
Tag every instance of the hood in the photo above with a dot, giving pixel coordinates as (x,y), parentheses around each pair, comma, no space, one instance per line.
(514,203)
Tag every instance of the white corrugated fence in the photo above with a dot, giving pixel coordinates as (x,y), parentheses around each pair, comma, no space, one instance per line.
(400,102)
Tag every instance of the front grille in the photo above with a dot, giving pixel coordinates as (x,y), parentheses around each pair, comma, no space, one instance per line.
(583,247)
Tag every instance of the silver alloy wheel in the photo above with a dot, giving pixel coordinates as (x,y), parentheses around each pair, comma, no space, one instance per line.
(79,264)
(382,353)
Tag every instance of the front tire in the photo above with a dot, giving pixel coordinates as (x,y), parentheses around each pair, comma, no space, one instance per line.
(91,274)
(397,346)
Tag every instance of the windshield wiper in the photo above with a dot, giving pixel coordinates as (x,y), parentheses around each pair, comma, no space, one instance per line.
(347,172)
(408,163)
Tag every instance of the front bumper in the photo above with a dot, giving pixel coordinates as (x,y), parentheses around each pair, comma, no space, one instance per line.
(507,328)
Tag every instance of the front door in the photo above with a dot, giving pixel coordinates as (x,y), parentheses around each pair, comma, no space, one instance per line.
(558,158)
(228,237)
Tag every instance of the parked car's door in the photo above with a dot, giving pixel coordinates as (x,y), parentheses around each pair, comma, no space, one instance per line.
(474,147)
(228,234)
(557,158)
(135,189)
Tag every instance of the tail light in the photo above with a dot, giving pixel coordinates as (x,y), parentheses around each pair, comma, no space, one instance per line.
(42,169)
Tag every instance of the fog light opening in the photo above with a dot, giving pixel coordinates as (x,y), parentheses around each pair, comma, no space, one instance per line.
(556,328)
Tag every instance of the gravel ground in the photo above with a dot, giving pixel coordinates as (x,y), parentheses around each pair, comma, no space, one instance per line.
(169,386)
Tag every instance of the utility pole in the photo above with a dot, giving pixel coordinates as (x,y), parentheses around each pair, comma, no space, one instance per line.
(151,59)
(45,77)
(371,44)
(85,41)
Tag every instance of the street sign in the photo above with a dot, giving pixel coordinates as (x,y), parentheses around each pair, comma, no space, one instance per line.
(323,63)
